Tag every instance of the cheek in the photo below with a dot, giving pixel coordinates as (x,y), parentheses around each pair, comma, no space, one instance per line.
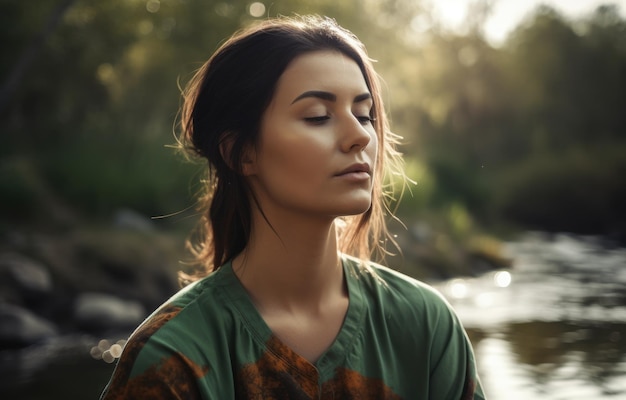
(373,146)
(295,147)
(300,161)
(292,171)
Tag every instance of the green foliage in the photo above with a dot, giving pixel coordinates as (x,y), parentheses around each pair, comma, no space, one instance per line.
(530,132)
(578,191)
(102,176)
(17,188)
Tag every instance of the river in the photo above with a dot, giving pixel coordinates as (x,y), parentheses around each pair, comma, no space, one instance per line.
(552,327)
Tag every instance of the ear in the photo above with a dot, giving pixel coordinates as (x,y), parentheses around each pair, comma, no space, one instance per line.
(248,155)
(248,160)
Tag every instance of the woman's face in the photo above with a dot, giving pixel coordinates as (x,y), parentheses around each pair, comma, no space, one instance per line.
(317,146)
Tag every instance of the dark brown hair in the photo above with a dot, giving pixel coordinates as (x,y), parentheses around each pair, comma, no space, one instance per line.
(224,103)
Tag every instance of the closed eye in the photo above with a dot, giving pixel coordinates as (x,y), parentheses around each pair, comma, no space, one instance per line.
(365,119)
(317,120)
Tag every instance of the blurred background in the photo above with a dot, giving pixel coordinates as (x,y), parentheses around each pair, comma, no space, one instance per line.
(513,118)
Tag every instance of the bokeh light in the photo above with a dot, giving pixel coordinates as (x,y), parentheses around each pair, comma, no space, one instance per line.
(502,279)
(153,6)
(106,351)
(458,288)
(256,9)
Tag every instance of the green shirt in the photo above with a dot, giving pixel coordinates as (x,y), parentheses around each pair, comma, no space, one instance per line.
(399,340)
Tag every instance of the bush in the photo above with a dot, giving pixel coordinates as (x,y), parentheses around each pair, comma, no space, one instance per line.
(576,191)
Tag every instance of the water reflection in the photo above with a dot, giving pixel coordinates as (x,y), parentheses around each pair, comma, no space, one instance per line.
(555,326)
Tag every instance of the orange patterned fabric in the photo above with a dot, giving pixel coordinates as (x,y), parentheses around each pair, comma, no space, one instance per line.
(282,374)
(170,375)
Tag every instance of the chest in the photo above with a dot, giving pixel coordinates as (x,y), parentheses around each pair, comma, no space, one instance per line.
(280,373)
(309,335)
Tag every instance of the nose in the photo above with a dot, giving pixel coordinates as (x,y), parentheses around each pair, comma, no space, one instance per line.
(354,135)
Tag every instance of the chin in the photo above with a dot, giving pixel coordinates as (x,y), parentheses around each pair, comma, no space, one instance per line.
(357,208)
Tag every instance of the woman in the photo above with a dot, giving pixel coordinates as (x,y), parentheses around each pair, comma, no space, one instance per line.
(289,116)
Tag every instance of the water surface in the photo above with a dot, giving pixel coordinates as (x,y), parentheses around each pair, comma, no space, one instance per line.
(552,327)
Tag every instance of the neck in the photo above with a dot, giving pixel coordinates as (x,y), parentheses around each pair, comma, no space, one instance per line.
(292,264)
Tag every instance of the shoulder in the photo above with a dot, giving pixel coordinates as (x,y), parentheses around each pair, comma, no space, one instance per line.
(175,326)
(170,350)
(167,342)
(398,292)
(386,280)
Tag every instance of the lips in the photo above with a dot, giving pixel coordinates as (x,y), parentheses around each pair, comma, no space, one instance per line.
(356,168)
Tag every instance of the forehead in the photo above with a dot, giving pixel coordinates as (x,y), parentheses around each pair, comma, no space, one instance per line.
(329,71)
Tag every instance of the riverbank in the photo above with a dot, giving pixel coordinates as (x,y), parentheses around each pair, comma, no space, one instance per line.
(83,280)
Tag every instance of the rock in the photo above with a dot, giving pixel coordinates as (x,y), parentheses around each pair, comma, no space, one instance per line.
(421,232)
(25,275)
(132,220)
(19,327)
(102,312)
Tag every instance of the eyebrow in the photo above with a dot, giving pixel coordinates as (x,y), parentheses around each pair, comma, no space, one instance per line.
(329,96)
